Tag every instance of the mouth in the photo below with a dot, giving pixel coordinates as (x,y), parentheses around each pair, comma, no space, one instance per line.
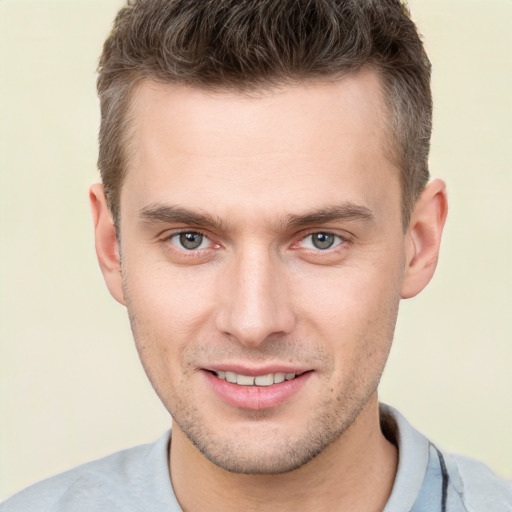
(261,390)
(259,380)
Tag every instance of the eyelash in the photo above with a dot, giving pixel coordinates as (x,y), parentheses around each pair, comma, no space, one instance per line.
(342,241)
(189,252)
(339,241)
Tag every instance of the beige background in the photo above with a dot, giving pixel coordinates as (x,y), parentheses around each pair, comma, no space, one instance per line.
(71,388)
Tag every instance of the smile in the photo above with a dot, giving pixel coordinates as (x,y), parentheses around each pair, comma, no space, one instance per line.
(261,380)
(264,389)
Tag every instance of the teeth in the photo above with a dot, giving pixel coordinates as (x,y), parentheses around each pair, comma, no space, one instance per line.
(244,380)
(264,380)
(231,377)
(260,380)
(280,377)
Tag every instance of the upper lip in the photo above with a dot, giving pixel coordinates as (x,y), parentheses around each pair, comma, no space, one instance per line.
(253,371)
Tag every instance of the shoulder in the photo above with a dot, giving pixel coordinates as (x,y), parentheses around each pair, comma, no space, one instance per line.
(479,487)
(116,482)
(426,474)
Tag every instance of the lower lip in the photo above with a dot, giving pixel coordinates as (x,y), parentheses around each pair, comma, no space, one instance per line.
(256,397)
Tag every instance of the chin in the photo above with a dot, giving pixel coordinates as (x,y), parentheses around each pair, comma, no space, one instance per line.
(262,447)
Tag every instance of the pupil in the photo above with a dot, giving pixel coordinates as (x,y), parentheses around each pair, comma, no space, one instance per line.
(191,240)
(323,240)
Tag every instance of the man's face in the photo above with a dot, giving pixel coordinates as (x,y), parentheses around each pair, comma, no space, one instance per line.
(261,243)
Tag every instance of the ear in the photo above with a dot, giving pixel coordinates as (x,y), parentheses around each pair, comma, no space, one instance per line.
(107,245)
(423,238)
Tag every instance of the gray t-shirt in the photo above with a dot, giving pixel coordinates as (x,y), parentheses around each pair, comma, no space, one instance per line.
(138,479)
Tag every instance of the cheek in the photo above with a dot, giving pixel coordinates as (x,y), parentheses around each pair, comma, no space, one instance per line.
(349,295)
(354,311)
(174,300)
(168,311)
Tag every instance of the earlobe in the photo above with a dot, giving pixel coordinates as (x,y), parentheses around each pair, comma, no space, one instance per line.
(423,238)
(106,243)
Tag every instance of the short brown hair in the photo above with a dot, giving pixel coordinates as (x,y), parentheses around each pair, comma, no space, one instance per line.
(252,44)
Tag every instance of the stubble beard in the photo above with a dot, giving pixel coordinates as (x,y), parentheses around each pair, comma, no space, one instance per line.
(280,453)
(265,448)
(276,452)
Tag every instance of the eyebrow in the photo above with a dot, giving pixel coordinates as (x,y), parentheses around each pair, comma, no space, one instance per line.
(173,214)
(344,212)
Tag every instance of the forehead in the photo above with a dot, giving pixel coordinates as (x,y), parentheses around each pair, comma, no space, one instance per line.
(206,114)
(312,142)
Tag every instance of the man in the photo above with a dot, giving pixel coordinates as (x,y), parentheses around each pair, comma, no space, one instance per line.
(265,205)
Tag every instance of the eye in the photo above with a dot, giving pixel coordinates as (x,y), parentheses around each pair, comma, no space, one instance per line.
(321,241)
(189,240)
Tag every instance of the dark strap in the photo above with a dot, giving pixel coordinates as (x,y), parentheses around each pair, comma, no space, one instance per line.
(445,480)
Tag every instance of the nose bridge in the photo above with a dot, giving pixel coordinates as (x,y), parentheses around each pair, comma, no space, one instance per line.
(255,302)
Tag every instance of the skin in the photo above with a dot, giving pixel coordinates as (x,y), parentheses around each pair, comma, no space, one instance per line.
(258,293)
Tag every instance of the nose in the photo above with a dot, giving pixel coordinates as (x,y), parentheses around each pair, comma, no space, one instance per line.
(254,300)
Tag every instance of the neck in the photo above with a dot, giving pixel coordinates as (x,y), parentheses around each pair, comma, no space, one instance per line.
(354,473)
